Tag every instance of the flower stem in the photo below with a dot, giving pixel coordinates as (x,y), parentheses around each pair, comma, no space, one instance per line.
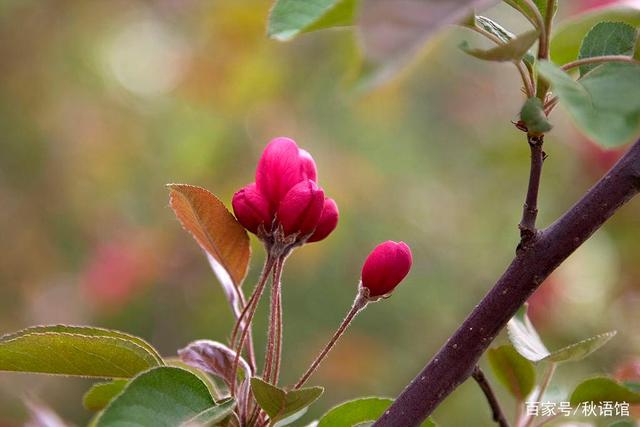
(359,304)
(272,347)
(278,352)
(249,311)
(266,269)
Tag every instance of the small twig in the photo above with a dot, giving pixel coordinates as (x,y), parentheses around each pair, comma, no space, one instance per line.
(496,410)
(543,388)
(599,60)
(359,303)
(540,24)
(527,224)
(548,21)
(542,86)
(527,83)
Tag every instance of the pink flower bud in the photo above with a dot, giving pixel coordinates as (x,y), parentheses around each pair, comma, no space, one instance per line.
(300,209)
(327,222)
(282,166)
(308,165)
(251,208)
(385,267)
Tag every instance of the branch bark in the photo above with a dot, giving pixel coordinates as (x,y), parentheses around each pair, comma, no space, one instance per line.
(456,360)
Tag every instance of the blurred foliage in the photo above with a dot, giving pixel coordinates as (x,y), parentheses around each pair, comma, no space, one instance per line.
(103,103)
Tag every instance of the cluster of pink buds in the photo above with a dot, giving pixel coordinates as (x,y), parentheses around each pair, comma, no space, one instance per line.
(285,207)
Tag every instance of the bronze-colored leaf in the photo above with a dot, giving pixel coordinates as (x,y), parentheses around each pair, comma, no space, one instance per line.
(215,229)
(214,358)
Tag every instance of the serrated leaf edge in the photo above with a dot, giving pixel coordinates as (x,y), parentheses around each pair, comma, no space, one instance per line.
(608,335)
(108,338)
(119,334)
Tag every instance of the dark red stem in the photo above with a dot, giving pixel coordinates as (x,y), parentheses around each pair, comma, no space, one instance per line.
(496,410)
(456,360)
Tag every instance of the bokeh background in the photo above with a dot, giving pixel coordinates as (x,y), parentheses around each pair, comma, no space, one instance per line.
(104,102)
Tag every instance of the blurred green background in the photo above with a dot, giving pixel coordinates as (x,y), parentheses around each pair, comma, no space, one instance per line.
(104,102)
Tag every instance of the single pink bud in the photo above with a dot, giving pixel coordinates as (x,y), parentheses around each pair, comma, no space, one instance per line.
(385,267)
(282,166)
(251,208)
(327,222)
(301,208)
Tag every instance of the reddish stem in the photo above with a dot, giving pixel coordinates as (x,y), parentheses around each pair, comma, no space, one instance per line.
(251,311)
(270,354)
(359,304)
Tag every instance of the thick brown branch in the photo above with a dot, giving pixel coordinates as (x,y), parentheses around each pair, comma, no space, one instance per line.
(455,361)
(496,410)
(527,224)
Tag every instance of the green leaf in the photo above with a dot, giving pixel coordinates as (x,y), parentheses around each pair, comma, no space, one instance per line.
(288,18)
(522,6)
(580,350)
(525,338)
(89,331)
(213,415)
(502,33)
(280,404)
(567,39)
(533,116)
(392,33)
(99,395)
(607,38)
(291,418)
(494,28)
(527,342)
(354,412)
(513,50)
(605,104)
(603,389)
(632,385)
(213,389)
(164,397)
(515,372)
(360,412)
(76,350)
